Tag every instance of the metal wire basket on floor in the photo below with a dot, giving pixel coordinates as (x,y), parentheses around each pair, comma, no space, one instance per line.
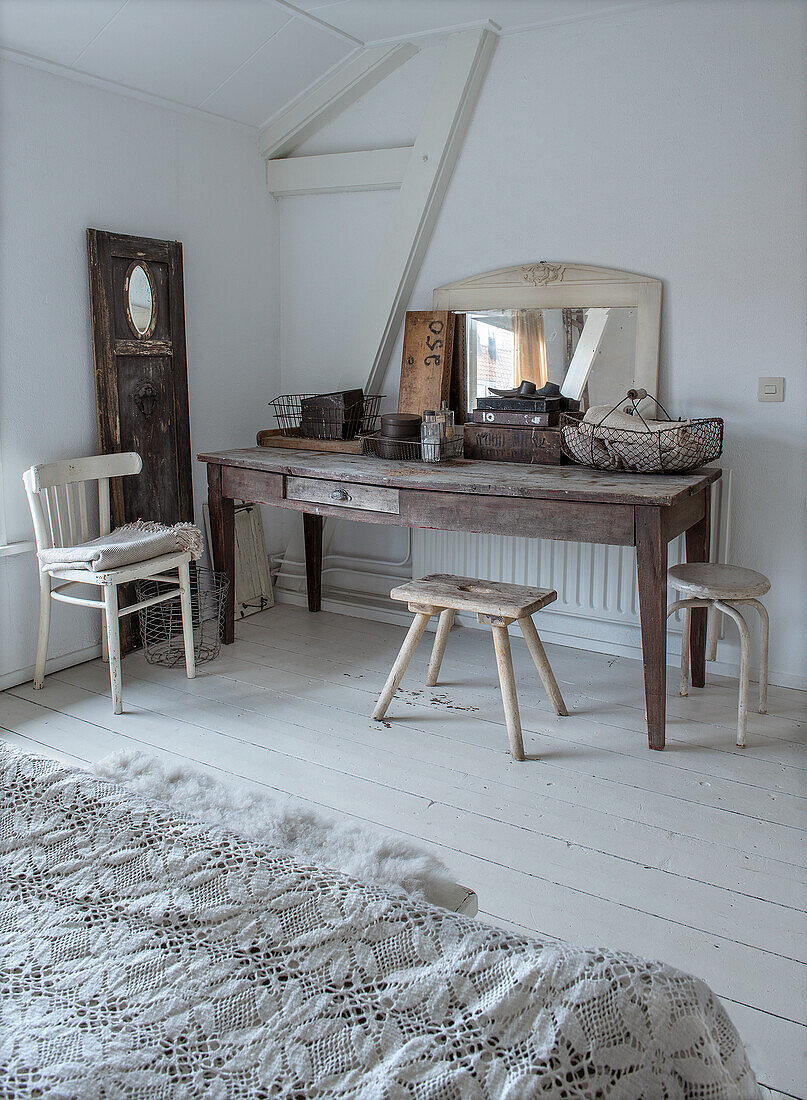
(161,624)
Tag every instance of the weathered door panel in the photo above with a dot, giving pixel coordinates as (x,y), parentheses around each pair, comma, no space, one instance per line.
(141,384)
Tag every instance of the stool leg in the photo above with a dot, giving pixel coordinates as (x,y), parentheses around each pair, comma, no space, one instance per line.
(507,682)
(444,625)
(763,655)
(687,620)
(712,632)
(745,661)
(401,661)
(538,653)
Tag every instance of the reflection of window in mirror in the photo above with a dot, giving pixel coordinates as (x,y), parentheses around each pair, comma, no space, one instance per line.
(507,347)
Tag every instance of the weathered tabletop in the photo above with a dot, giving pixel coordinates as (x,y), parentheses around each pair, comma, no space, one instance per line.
(505,479)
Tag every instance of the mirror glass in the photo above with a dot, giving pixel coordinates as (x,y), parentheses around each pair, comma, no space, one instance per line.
(141,299)
(589,353)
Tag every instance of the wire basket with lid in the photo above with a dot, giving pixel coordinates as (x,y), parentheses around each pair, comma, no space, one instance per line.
(653,448)
(315,416)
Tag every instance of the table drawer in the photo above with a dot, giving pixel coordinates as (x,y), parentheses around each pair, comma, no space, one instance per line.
(342,494)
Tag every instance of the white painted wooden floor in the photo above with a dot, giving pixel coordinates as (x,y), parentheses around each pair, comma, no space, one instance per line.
(694,855)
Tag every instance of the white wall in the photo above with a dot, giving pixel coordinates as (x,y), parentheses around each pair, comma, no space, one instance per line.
(72,157)
(669,141)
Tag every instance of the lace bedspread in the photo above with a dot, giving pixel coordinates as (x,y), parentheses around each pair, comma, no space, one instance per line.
(143,955)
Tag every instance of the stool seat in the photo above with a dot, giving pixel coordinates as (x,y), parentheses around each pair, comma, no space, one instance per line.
(511,601)
(711,581)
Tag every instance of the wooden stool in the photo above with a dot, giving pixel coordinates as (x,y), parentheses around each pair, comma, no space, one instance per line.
(495,604)
(722,587)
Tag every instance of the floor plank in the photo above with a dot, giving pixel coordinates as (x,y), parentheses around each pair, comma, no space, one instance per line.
(695,855)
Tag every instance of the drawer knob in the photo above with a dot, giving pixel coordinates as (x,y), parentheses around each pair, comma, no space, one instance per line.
(340,494)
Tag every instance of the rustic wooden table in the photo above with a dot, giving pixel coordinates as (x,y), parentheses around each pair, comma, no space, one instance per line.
(571,503)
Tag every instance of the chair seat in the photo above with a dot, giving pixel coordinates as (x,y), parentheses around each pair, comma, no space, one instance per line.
(711,581)
(135,571)
(512,601)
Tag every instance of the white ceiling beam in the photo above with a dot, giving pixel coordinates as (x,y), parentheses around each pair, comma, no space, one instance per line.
(314,20)
(461,71)
(324,102)
(371,170)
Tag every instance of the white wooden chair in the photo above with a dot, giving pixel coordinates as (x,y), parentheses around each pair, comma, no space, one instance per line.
(57,496)
(722,588)
(496,605)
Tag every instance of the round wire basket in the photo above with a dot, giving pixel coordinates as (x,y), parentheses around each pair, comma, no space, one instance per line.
(161,624)
(325,421)
(685,445)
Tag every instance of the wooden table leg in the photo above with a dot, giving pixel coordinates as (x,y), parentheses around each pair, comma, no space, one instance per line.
(312,534)
(697,546)
(222,530)
(651,559)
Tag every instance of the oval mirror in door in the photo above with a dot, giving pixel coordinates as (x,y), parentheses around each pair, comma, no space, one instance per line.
(140,300)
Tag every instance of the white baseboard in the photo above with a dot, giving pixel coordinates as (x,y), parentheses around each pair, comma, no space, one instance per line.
(54,664)
(562,628)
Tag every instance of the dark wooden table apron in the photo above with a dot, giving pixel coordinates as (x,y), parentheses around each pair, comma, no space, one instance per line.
(570,503)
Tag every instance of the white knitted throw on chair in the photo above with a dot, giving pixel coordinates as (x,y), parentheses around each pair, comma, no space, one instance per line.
(143,955)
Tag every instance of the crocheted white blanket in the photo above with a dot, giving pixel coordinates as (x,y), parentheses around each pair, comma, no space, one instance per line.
(144,956)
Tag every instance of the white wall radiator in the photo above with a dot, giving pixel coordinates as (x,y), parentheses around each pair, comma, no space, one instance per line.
(598,598)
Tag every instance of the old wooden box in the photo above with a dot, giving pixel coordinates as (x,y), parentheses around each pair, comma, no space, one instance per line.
(532,446)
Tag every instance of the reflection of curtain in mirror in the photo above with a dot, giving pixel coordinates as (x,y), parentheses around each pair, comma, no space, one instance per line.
(530,349)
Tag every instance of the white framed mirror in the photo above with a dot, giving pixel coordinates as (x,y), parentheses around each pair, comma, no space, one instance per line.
(592,330)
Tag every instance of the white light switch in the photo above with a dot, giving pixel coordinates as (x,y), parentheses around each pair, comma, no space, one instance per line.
(771,389)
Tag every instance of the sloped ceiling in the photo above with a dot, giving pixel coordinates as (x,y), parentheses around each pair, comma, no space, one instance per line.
(243,60)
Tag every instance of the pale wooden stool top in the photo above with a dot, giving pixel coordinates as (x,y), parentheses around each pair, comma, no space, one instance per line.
(711,581)
(510,601)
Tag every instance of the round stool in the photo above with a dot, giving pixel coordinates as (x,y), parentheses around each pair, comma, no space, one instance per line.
(723,587)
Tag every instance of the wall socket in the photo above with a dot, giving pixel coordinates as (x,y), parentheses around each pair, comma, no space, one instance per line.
(771,389)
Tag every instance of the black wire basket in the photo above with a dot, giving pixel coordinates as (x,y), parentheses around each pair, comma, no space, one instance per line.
(325,421)
(412,450)
(685,445)
(161,624)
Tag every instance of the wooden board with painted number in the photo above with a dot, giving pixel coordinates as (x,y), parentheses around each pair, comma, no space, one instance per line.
(426,362)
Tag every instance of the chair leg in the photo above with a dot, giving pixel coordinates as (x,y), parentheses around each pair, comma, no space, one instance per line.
(507,682)
(745,661)
(763,654)
(445,622)
(536,648)
(113,639)
(409,646)
(187,619)
(44,630)
(686,627)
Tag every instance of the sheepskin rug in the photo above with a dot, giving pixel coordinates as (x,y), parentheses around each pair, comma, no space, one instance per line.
(364,853)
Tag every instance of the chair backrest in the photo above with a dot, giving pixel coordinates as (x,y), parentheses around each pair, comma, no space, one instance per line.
(57,496)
